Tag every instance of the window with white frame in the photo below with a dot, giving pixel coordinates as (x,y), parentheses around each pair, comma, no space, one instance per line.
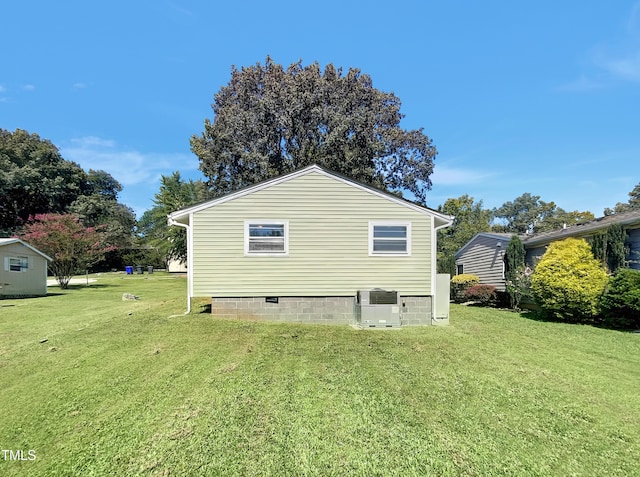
(266,237)
(389,238)
(16,264)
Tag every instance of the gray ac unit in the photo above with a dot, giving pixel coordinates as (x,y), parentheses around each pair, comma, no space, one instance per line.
(378,308)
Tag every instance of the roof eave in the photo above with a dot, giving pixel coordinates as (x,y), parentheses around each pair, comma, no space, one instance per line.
(182,215)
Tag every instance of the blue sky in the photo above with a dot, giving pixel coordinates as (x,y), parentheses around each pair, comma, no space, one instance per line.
(540,97)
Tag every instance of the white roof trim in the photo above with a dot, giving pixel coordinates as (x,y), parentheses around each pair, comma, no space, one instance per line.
(7,241)
(481,234)
(446,219)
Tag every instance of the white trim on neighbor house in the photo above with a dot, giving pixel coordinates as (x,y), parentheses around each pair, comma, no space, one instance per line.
(8,241)
(264,222)
(500,237)
(18,264)
(391,253)
(181,214)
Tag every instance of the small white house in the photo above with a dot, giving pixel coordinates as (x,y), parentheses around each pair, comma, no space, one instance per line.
(301,247)
(23,269)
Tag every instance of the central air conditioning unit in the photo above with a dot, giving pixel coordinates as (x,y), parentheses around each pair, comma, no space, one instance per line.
(378,308)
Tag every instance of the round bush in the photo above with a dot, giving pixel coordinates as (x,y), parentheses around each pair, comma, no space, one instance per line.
(483,294)
(621,301)
(568,282)
(460,283)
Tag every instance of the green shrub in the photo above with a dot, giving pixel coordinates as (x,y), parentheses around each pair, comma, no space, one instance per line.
(568,282)
(460,283)
(621,301)
(519,286)
(483,294)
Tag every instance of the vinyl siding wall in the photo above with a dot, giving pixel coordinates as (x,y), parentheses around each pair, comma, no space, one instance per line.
(483,259)
(328,243)
(32,281)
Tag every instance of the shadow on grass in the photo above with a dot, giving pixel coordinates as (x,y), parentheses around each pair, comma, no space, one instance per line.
(81,286)
(619,324)
(24,297)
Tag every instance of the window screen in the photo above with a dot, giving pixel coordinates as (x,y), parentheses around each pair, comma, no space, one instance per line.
(266,238)
(390,239)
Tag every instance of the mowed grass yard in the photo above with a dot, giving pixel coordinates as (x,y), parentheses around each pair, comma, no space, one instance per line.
(137,388)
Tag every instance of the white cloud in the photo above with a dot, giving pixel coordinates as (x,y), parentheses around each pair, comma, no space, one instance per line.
(582,84)
(79,86)
(2,89)
(622,67)
(28,87)
(444,175)
(129,167)
(621,58)
(93,141)
(615,59)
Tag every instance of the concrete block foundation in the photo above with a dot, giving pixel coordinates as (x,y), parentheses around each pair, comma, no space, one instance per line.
(336,310)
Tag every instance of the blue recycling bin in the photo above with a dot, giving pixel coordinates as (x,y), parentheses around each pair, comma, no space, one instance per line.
(129,270)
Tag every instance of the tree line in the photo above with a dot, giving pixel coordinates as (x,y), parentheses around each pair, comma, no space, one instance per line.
(268,120)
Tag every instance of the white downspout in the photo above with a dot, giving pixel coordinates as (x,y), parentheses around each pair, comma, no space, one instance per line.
(434,261)
(189,260)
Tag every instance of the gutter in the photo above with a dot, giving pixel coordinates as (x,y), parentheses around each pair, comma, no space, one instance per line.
(171,221)
(434,260)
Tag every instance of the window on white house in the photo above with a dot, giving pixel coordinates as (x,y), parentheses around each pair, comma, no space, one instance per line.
(266,237)
(16,264)
(389,238)
(459,269)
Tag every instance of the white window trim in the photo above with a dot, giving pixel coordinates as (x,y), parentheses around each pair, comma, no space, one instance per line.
(7,264)
(390,254)
(247,253)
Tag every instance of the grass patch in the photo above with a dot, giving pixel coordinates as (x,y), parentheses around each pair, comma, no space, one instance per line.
(136,388)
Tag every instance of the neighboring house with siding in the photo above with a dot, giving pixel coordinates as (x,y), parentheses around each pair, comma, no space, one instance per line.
(483,255)
(536,244)
(300,246)
(176,266)
(23,269)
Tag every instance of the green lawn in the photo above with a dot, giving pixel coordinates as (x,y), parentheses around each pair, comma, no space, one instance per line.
(137,388)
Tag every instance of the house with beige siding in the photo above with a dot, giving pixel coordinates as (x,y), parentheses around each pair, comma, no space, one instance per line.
(299,248)
(23,269)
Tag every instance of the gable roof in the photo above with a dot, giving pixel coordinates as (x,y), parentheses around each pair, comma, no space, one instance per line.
(182,215)
(8,241)
(492,235)
(631,218)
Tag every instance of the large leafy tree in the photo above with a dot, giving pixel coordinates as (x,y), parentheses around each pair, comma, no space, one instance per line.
(175,193)
(470,218)
(269,120)
(72,246)
(34,178)
(99,206)
(528,213)
(632,204)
